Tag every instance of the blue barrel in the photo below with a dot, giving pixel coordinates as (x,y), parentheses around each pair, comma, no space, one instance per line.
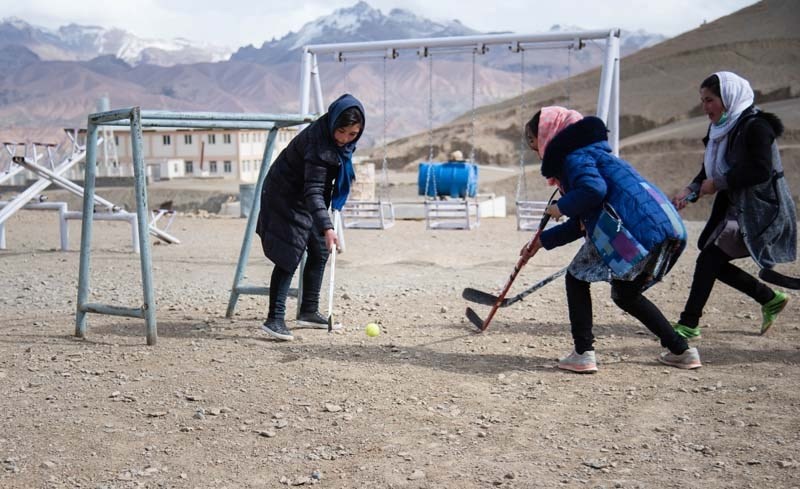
(453,179)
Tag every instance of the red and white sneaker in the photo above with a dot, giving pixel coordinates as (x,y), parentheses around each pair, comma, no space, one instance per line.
(690,359)
(585,363)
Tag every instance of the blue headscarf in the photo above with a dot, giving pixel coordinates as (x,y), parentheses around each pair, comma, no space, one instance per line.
(341,187)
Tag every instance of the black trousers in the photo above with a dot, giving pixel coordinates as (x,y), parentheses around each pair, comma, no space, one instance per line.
(316,258)
(713,264)
(628,296)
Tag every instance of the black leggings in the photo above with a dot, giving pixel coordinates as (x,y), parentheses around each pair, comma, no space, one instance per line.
(628,296)
(713,264)
(316,258)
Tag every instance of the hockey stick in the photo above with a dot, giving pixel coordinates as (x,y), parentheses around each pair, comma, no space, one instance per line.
(333,272)
(777,278)
(472,315)
(487,299)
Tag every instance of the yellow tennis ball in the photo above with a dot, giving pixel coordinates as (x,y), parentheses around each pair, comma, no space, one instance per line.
(373,330)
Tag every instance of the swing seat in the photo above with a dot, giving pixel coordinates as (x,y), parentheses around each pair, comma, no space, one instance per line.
(368,214)
(530,214)
(452,214)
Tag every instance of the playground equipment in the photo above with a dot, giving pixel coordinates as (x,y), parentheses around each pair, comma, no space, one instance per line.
(379,213)
(53,175)
(530,212)
(607,100)
(137,119)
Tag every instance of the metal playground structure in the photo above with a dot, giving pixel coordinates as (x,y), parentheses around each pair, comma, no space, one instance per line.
(51,173)
(458,212)
(137,119)
(607,109)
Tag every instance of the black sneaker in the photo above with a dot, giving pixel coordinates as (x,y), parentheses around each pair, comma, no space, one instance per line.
(312,320)
(277,329)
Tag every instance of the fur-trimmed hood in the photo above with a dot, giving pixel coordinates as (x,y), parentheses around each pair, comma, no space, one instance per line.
(586,131)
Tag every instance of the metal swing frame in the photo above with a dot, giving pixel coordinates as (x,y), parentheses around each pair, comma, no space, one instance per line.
(372,214)
(531,212)
(443,213)
(608,93)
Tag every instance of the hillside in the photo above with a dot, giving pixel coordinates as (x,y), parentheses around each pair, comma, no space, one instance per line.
(658,84)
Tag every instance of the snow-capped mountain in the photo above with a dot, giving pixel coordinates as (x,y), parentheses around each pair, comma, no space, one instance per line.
(78,43)
(358,23)
(175,74)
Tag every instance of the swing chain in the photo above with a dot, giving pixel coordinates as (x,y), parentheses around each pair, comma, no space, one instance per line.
(384,170)
(431,173)
(472,121)
(522,184)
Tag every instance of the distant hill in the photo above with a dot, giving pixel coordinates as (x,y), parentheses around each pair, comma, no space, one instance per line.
(659,84)
(662,121)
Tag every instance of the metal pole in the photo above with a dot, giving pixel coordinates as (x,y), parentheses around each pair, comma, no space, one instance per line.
(317,85)
(305,81)
(606,79)
(63,227)
(140,177)
(66,184)
(613,116)
(455,41)
(252,219)
(86,228)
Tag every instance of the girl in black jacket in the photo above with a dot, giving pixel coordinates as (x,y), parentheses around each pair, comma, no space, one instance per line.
(313,172)
(753,213)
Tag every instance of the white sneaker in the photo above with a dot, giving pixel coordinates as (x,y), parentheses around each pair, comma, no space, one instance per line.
(585,363)
(690,359)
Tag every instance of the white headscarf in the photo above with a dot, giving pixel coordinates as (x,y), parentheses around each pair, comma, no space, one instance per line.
(737,96)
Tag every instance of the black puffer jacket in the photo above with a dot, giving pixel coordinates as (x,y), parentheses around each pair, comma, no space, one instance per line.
(298,188)
(757,189)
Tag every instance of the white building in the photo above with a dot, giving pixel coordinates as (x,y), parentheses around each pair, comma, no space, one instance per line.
(233,154)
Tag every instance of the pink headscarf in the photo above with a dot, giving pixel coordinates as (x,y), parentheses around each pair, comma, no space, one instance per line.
(552,121)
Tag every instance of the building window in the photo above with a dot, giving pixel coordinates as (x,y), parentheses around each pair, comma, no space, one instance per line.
(246,165)
(226,166)
(212,166)
(167,140)
(188,167)
(187,139)
(212,139)
(175,168)
(226,139)
(116,140)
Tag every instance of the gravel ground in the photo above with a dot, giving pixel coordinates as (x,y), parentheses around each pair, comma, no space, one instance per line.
(426,404)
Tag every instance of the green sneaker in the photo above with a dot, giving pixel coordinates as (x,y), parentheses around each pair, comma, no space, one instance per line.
(687,332)
(770,310)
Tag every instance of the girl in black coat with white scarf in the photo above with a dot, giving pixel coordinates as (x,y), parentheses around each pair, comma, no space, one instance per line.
(753,214)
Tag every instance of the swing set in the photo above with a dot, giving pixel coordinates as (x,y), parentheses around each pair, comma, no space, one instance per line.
(458,212)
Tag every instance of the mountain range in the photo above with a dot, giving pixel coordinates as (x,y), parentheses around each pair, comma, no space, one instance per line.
(81,43)
(53,78)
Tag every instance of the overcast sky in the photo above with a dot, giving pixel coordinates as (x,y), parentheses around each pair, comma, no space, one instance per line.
(237,23)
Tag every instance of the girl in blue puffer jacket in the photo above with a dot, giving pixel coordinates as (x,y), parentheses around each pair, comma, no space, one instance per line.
(633,233)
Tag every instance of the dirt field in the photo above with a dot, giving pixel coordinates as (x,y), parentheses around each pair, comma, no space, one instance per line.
(427,404)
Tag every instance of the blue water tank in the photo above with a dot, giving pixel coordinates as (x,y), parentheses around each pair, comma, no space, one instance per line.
(453,179)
